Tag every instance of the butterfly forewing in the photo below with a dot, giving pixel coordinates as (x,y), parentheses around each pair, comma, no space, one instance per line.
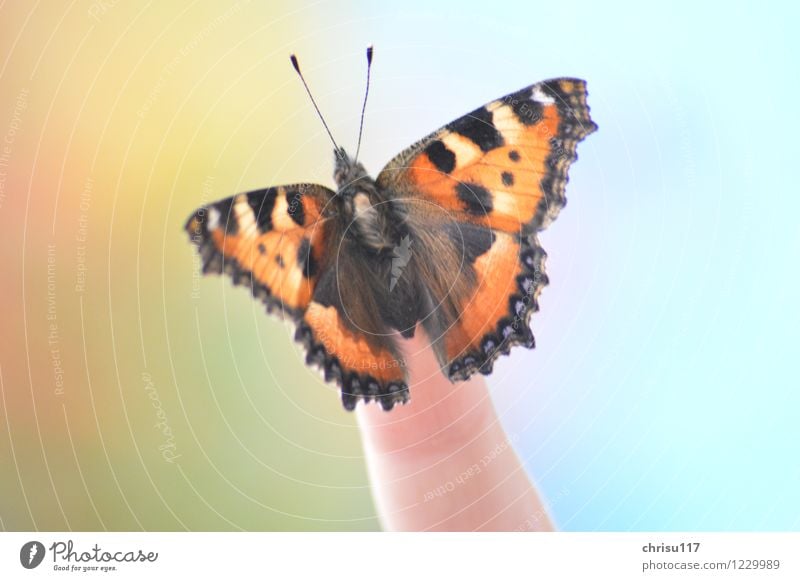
(504,165)
(272,239)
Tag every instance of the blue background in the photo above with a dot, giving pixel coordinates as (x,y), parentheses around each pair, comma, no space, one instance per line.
(663,392)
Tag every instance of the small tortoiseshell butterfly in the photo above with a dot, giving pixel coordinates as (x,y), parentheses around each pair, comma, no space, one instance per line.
(444,238)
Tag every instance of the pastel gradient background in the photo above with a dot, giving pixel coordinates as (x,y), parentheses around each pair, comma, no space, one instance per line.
(663,393)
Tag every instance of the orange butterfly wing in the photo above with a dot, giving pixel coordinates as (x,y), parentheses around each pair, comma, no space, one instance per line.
(270,239)
(349,342)
(504,165)
(279,242)
(502,168)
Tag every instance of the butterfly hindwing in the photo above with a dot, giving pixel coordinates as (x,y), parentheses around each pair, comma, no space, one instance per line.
(494,312)
(271,239)
(345,335)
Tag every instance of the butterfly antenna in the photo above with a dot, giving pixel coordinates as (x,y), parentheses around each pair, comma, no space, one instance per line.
(364,106)
(313,102)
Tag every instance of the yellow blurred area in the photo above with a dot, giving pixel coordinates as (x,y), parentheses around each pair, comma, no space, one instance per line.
(138,395)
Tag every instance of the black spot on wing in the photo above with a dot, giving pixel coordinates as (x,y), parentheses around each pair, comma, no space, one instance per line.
(306,260)
(262,202)
(441,157)
(513,155)
(477,199)
(508,178)
(294,200)
(479,128)
(470,240)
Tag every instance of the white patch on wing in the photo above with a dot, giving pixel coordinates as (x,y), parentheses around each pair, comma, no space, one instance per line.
(465,150)
(513,205)
(245,217)
(540,96)
(507,123)
(213,219)
(281,220)
(504,203)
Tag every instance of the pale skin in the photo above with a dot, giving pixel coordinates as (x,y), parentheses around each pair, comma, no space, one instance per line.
(443,462)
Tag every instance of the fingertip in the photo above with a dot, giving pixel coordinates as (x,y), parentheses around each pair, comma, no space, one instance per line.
(439,414)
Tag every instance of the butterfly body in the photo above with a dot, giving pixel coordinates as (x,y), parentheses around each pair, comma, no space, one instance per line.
(365,212)
(444,239)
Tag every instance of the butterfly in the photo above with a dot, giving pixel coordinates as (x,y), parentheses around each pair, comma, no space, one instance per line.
(444,239)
